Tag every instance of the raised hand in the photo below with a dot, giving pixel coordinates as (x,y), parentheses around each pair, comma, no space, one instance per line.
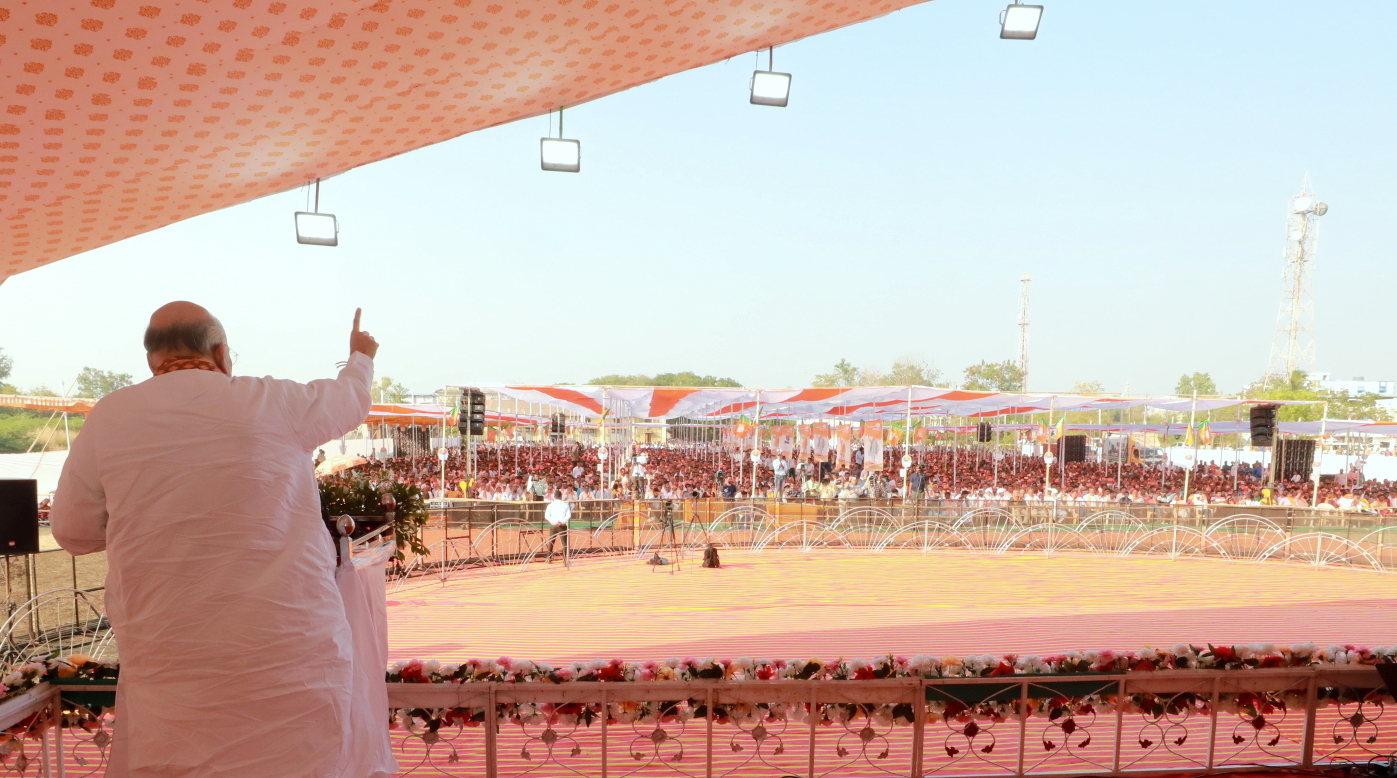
(360,341)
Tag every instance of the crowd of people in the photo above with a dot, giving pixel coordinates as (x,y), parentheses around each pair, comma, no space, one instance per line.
(531,472)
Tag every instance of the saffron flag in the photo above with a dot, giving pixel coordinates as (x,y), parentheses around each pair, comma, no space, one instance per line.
(1205,433)
(1189,439)
(919,434)
(1041,434)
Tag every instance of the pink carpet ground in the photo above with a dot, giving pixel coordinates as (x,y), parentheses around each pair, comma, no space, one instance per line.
(829,604)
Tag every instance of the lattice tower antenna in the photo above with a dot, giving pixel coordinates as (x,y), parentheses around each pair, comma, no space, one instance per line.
(1025,282)
(1293,347)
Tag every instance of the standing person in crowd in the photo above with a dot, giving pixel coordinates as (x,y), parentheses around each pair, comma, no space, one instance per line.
(557,514)
(917,480)
(221,575)
(779,469)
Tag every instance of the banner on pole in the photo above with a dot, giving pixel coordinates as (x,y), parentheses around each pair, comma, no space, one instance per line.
(844,443)
(872,445)
(819,438)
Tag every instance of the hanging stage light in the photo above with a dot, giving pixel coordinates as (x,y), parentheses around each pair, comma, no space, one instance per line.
(564,156)
(559,154)
(315,228)
(770,88)
(1020,22)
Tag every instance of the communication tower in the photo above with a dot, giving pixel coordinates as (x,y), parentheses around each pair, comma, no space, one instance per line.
(1025,281)
(1294,345)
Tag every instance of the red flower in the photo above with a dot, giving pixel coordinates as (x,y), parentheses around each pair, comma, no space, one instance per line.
(412,672)
(1003,668)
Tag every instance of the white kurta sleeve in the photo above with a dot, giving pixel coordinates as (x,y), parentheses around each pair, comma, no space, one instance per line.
(79,513)
(325,409)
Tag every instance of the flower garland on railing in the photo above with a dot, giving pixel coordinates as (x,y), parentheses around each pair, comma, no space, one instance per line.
(1180,657)
(941,705)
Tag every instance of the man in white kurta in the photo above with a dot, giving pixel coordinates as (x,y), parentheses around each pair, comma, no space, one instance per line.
(236,655)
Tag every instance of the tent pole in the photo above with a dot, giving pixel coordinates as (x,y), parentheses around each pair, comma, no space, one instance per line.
(1323,426)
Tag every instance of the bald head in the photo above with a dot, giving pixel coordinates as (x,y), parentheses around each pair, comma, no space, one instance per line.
(183,330)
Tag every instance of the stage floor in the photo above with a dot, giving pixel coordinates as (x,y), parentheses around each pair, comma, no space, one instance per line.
(829,604)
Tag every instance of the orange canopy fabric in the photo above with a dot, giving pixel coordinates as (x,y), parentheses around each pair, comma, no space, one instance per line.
(78,405)
(121,116)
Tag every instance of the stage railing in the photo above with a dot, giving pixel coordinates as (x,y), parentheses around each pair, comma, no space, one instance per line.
(516,534)
(1087,724)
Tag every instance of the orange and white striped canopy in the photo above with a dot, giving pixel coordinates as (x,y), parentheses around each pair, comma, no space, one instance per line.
(122,116)
(854,403)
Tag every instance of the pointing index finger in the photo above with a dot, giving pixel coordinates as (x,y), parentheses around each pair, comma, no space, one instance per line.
(357,312)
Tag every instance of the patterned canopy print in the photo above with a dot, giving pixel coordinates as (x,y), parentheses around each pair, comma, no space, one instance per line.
(122,116)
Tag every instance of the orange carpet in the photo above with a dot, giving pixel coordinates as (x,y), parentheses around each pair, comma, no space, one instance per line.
(828,604)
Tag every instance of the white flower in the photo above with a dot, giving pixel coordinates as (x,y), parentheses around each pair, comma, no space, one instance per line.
(449,669)
(396,667)
(742,663)
(430,666)
(596,664)
(670,663)
(523,667)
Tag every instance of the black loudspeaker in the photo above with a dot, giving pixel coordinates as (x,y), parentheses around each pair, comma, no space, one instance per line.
(19,516)
(984,432)
(1263,424)
(1294,456)
(1072,448)
(476,412)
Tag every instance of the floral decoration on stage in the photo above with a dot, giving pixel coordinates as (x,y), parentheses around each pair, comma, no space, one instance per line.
(1180,657)
(959,703)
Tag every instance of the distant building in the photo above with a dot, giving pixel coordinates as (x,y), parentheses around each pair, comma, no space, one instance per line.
(1357,385)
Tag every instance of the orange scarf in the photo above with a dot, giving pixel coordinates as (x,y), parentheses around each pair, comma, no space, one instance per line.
(186,363)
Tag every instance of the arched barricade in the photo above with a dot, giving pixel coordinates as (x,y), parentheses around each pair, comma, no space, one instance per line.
(1245,536)
(1321,549)
(924,536)
(863,518)
(1175,542)
(1047,537)
(57,624)
(1112,531)
(803,535)
(513,543)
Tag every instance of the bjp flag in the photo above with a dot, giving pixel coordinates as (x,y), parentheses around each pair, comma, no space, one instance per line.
(919,434)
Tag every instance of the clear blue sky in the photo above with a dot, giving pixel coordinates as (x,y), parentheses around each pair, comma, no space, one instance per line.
(1136,159)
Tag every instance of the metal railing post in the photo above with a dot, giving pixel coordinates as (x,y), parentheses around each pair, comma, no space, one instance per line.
(1307,748)
(1023,726)
(605,714)
(918,727)
(814,722)
(58,759)
(1120,726)
(492,757)
(708,737)
(1213,721)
